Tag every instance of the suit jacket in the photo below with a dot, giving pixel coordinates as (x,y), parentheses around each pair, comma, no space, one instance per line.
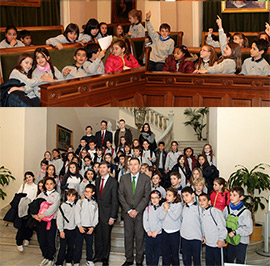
(108,201)
(128,137)
(108,136)
(141,196)
(164,155)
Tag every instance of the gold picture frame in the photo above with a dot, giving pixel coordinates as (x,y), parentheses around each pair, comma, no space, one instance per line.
(64,138)
(24,3)
(244,7)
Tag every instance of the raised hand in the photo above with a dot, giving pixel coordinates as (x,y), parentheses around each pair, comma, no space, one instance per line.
(219,22)
(148,15)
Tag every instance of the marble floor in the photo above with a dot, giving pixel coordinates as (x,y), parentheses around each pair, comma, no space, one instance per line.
(31,256)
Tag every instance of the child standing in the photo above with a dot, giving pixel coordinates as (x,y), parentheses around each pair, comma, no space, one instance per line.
(86,219)
(176,181)
(191,239)
(199,185)
(239,225)
(10,40)
(153,228)
(65,221)
(42,170)
(220,196)
(136,29)
(47,237)
(173,155)
(57,161)
(161,155)
(180,61)
(156,180)
(214,231)
(87,165)
(191,159)
(120,58)
(24,233)
(170,215)
(182,168)
(162,45)
(148,156)
(209,154)
(89,178)
(196,173)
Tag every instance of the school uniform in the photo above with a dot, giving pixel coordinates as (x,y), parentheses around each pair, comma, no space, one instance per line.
(160,160)
(191,234)
(75,72)
(184,173)
(58,164)
(38,73)
(94,67)
(204,66)
(137,30)
(98,159)
(160,189)
(83,185)
(92,153)
(213,229)
(6,44)
(41,174)
(63,39)
(148,154)
(46,237)
(170,233)
(71,181)
(66,223)
(84,169)
(192,162)
(255,67)
(213,161)
(86,215)
(151,222)
(171,159)
(245,228)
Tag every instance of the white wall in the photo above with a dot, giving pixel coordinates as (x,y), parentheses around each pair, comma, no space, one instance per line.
(154,6)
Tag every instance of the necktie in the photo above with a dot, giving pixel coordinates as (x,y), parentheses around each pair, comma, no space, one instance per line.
(102,137)
(101,188)
(133,185)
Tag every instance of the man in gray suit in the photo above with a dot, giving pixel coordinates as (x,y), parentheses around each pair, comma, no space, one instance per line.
(134,191)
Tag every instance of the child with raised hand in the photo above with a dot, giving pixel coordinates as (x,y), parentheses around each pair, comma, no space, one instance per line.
(94,65)
(24,233)
(180,61)
(120,58)
(86,219)
(256,64)
(76,70)
(213,230)
(239,226)
(45,66)
(191,239)
(10,40)
(47,237)
(103,29)
(92,29)
(25,37)
(170,214)
(136,29)
(230,62)
(209,154)
(208,57)
(155,184)
(23,71)
(65,221)
(215,43)
(162,45)
(220,196)
(153,228)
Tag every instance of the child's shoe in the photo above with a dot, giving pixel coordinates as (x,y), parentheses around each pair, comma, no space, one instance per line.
(20,248)
(26,243)
(43,262)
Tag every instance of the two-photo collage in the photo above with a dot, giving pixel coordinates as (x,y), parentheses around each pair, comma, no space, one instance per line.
(134,132)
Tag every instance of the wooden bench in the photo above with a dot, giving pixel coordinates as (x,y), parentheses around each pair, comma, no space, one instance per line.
(39,34)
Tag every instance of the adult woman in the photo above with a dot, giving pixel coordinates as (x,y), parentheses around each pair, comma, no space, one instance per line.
(147,134)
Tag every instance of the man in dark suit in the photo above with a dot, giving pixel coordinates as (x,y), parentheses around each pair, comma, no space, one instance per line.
(107,199)
(103,135)
(134,190)
(122,131)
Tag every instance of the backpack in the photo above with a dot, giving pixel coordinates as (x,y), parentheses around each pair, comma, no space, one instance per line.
(232,223)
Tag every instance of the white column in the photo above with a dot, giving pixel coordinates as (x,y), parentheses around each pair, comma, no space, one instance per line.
(197,22)
(64,13)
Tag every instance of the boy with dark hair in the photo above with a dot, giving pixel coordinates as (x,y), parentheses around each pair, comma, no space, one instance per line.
(83,144)
(77,70)
(256,64)
(86,219)
(88,134)
(94,65)
(161,155)
(162,45)
(65,221)
(190,230)
(25,37)
(239,226)
(214,231)
(92,148)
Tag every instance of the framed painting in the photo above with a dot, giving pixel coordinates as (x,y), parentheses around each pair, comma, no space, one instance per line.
(244,6)
(64,138)
(120,9)
(30,3)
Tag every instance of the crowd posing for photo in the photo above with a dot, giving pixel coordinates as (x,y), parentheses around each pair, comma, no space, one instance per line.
(172,203)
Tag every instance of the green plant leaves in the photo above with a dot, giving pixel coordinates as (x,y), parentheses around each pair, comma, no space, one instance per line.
(5,178)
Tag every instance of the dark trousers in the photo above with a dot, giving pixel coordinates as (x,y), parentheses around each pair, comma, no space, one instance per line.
(152,249)
(133,228)
(213,256)
(69,242)
(156,66)
(46,239)
(102,240)
(238,252)
(23,233)
(170,248)
(191,248)
(78,246)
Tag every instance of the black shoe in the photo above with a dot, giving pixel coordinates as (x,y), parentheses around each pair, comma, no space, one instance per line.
(126,263)
(105,262)
(97,260)
(139,264)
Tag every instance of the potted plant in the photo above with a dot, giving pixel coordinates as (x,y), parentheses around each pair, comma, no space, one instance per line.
(5,178)
(196,120)
(254,181)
